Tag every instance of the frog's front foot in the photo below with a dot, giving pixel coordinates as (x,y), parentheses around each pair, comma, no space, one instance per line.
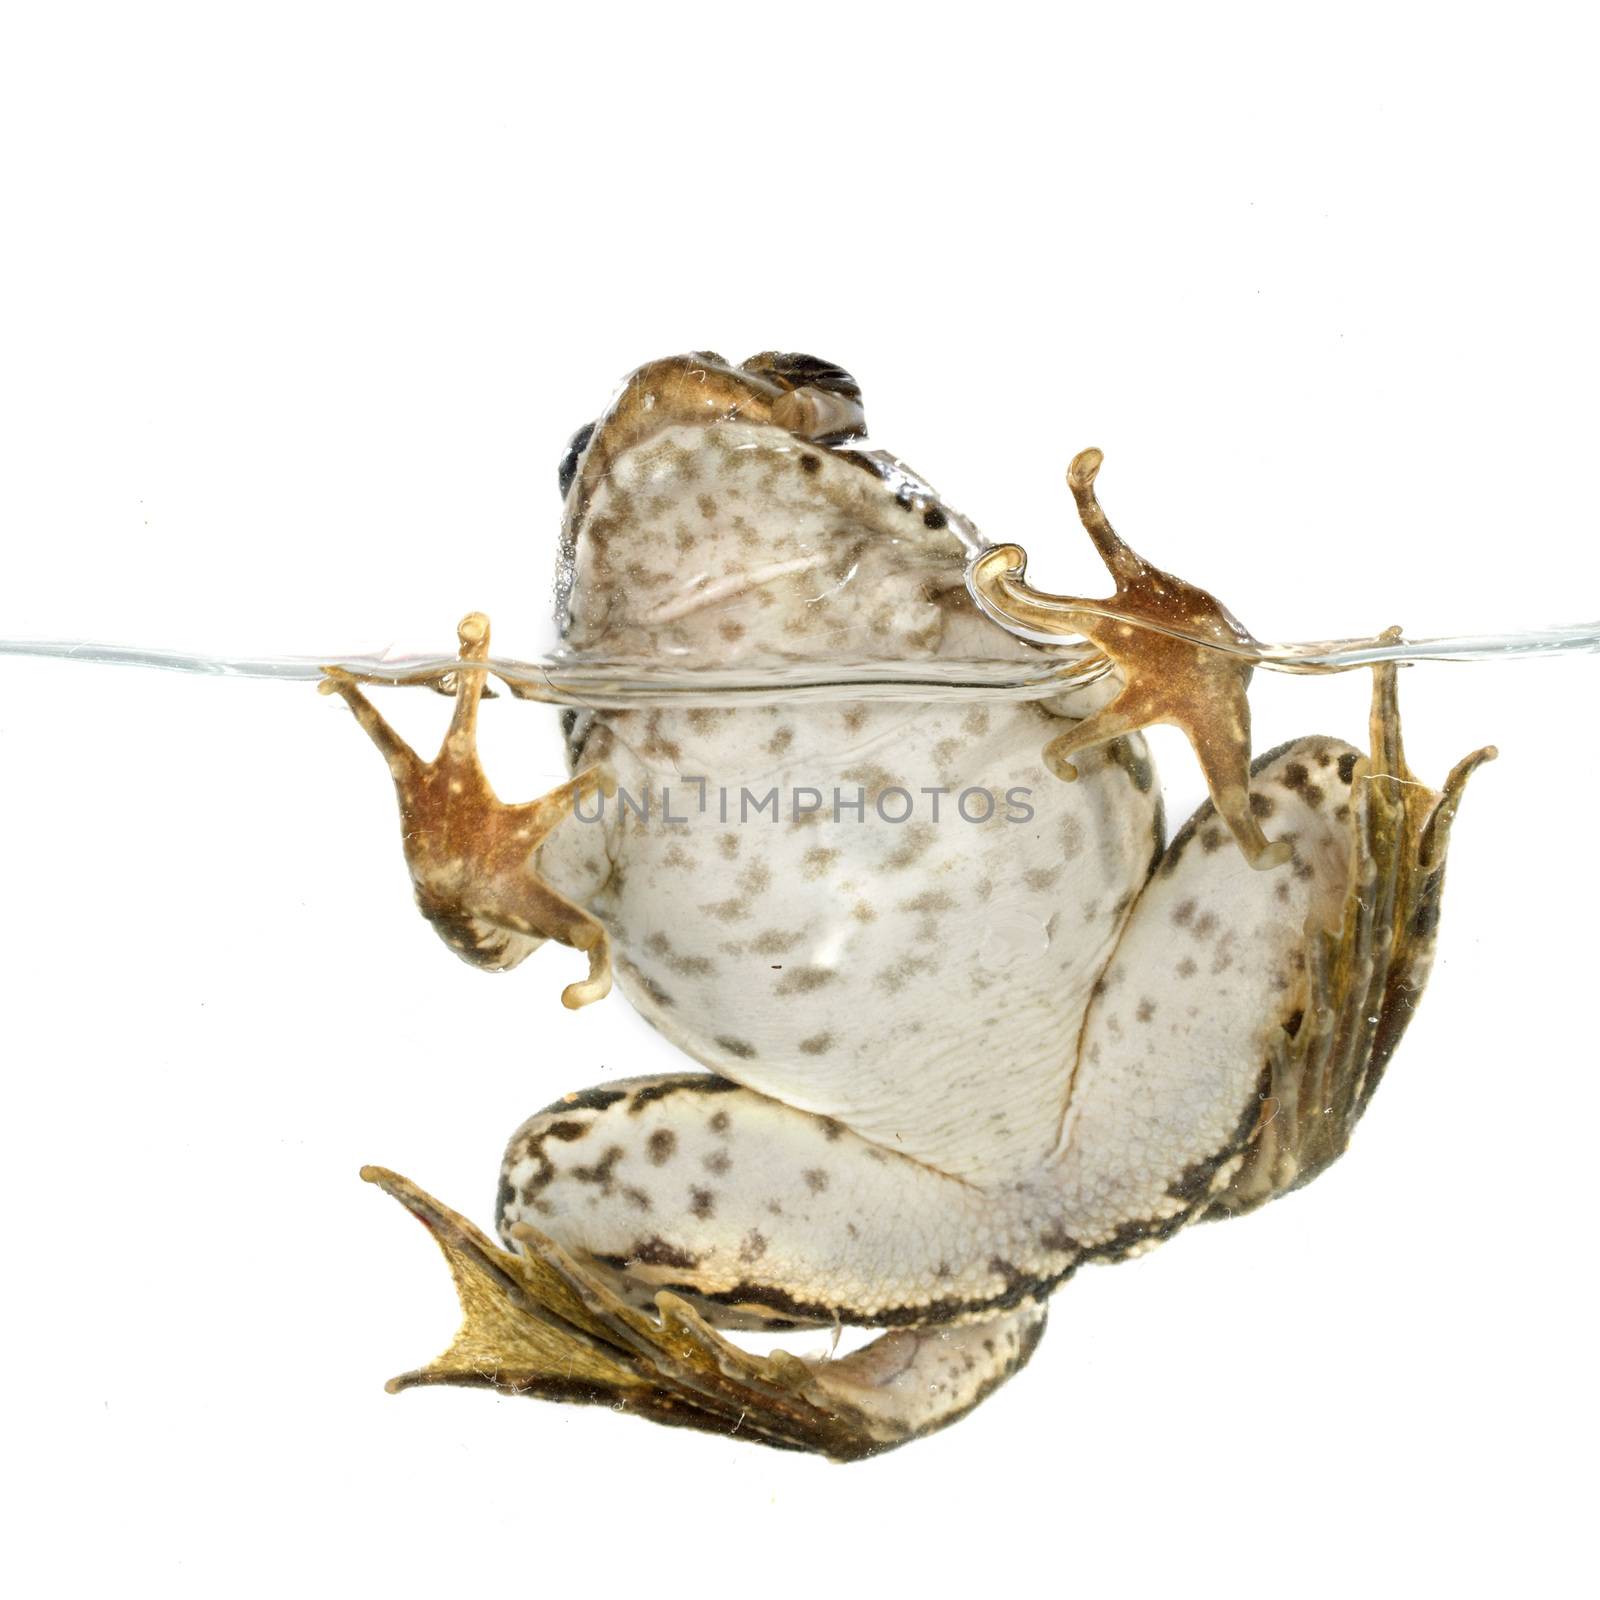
(1183,656)
(472,857)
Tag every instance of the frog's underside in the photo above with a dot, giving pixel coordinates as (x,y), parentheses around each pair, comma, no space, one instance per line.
(949,1064)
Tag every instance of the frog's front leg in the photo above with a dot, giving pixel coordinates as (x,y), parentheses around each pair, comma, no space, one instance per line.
(1185,659)
(471,855)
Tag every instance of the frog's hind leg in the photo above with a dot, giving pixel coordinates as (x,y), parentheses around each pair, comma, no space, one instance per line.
(914,1381)
(763,1214)
(472,857)
(639,1218)
(542,1323)
(1246,1017)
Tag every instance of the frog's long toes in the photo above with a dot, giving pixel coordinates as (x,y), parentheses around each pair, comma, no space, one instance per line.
(598,984)
(1059,766)
(472,634)
(997,582)
(1083,468)
(403,762)
(1272,855)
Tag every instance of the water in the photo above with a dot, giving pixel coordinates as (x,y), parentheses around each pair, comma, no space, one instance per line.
(568,680)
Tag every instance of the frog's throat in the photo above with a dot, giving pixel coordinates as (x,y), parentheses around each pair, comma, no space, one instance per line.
(715,591)
(1183,657)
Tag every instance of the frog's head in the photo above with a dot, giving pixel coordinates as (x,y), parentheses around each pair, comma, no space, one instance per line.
(717,514)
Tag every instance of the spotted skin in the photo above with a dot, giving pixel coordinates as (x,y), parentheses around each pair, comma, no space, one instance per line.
(916,980)
(950,1058)
(1210,970)
(921,979)
(767,1213)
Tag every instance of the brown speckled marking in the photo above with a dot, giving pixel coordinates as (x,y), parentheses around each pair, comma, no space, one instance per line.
(730,910)
(892,979)
(656,1252)
(602,1173)
(1018,1289)
(648,984)
(816,861)
(918,838)
(1132,757)
(1297,779)
(688,966)
(697,1083)
(802,980)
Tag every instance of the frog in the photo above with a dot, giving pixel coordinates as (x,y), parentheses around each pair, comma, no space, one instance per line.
(960,1017)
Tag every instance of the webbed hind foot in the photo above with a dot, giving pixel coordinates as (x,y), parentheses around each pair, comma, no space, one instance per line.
(540,1323)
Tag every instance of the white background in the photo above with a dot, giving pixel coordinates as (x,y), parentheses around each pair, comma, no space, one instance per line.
(300,306)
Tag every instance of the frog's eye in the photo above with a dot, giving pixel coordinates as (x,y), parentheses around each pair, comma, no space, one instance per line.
(793,370)
(576,445)
(822,401)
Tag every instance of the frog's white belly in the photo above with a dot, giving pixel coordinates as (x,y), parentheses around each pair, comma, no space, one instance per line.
(921,981)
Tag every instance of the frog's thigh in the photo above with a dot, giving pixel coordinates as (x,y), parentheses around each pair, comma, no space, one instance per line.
(1211,967)
(760,1212)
